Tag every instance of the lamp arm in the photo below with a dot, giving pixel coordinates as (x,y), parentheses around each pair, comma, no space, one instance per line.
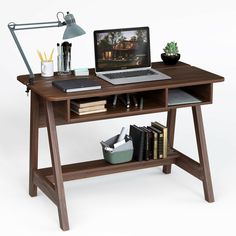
(36,25)
(21,51)
(12,27)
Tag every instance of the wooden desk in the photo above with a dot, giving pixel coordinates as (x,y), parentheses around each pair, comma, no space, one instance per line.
(51,107)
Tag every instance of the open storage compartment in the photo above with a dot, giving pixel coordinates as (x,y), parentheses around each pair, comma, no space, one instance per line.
(147,102)
(184,96)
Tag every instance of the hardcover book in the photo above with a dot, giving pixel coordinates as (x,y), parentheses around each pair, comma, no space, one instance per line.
(89,112)
(86,109)
(138,138)
(160,143)
(163,139)
(148,147)
(88,102)
(155,142)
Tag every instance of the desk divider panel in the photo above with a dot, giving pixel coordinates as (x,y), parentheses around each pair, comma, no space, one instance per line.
(203,92)
(60,111)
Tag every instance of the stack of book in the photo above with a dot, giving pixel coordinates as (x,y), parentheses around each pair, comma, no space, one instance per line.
(88,106)
(149,142)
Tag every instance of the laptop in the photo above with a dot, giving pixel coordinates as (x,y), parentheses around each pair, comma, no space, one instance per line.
(122,56)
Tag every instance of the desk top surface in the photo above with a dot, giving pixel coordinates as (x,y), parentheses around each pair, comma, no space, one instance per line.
(182,75)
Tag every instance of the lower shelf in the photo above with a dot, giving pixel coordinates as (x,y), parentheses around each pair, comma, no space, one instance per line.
(101,167)
(44,179)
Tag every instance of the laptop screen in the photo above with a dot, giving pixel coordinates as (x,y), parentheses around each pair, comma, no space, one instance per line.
(118,49)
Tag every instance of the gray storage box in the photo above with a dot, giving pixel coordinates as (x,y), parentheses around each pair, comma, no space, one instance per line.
(121,154)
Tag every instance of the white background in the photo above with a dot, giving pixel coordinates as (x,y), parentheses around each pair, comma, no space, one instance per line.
(144,202)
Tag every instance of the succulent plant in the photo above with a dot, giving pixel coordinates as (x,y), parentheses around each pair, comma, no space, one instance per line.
(171,49)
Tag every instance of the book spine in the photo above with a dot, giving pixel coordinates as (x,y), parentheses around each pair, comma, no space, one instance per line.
(146,145)
(149,144)
(89,112)
(165,143)
(138,137)
(155,145)
(155,132)
(161,146)
(164,139)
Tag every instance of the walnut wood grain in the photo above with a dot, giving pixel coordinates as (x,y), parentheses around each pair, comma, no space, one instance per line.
(202,152)
(101,167)
(56,166)
(183,75)
(171,117)
(51,107)
(34,133)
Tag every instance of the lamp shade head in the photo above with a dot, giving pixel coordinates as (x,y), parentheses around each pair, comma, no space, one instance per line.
(72,29)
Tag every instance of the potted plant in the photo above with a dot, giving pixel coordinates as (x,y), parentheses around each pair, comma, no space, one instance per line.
(171,54)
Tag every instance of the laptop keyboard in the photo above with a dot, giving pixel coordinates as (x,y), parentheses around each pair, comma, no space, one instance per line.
(128,74)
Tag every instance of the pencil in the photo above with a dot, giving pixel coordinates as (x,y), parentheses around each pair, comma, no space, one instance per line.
(40,55)
(46,59)
(51,55)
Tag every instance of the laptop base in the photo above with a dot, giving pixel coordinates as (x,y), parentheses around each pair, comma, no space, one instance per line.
(137,79)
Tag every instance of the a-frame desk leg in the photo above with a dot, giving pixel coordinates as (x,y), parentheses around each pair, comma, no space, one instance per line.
(56,166)
(34,131)
(171,117)
(202,152)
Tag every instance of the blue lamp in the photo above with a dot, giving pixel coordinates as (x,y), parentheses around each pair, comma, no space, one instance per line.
(72,30)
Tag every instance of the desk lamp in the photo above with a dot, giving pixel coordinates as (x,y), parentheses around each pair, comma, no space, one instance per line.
(72,30)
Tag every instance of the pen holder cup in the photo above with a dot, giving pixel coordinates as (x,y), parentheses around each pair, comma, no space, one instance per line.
(63,65)
(121,154)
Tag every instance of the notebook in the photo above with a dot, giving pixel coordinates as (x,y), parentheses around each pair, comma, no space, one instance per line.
(76,85)
(178,96)
(122,56)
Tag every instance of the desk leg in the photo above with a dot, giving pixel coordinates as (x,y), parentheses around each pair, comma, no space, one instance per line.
(34,130)
(202,152)
(56,166)
(171,117)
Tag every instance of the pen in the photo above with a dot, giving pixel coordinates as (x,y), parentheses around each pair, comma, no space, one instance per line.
(114,100)
(69,51)
(141,103)
(135,101)
(59,59)
(127,100)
